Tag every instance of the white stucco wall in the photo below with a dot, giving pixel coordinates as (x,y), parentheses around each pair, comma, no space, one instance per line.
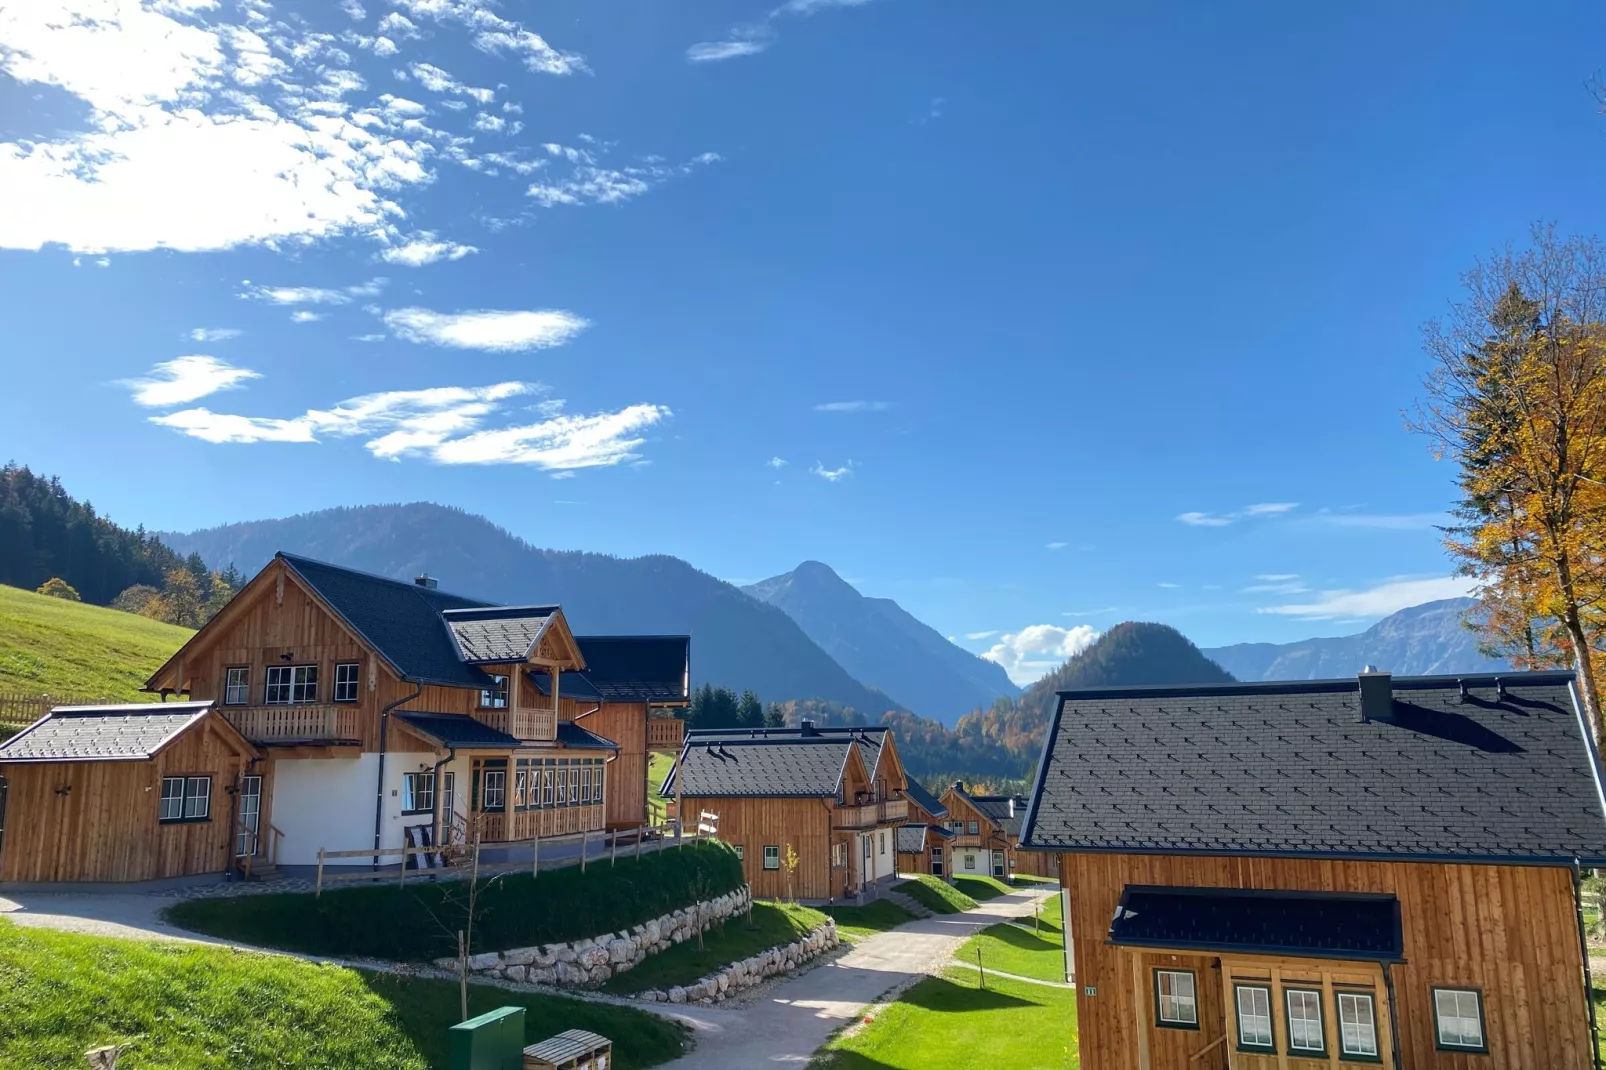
(971,862)
(323,802)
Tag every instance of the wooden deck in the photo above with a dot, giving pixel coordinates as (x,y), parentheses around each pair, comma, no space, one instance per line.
(295,724)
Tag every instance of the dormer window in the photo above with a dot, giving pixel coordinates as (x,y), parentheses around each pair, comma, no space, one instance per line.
(495,696)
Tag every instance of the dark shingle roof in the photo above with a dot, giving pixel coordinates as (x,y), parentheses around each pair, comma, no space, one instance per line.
(131,732)
(998,810)
(1305,924)
(573,735)
(571,684)
(924,799)
(458,730)
(497,633)
(637,668)
(911,839)
(721,764)
(1504,774)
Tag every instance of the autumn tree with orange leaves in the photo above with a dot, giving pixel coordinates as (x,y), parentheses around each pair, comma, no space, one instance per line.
(1517,397)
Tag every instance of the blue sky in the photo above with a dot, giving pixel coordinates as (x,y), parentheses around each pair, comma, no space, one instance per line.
(1034,317)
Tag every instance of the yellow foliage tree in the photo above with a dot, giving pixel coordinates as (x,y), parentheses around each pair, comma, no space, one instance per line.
(1518,398)
(56,587)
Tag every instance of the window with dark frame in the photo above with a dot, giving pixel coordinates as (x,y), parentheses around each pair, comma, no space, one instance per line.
(448,802)
(348,675)
(1458,1019)
(1175,999)
(495,696)
(772,856)
(547,772)
(185,799)
(1357,1025)
(1306,1036)
(972,828)
(882,847)
(287,685)
(418,793)
(172,799)
(494,790)
(1254,1017)
(738,849)
(574,783)
(563,782)
(237,686)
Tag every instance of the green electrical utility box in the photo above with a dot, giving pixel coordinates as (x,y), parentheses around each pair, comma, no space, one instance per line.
(493,1041)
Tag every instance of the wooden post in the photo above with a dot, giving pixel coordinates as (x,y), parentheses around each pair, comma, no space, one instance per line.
(462,970)
(319,893)
(981,969)
(535,858)
(402,878)
(613,848)
(585,842)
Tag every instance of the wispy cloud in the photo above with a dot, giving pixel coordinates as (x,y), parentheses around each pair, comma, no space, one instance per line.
(591,182)
(185,379)
(1204,520)
(1270,508)
(854,406)
(215,334)
(1099,612)
(1383,521)
(436,80)
(496,35)
(1038,649)
(776,462)
(372,288)
(981,635)
(425,248)
(732,48)
(832,475)
(296,295)
(303,315)
(1057,545)
(933,112)
(1220,520)
(488,329)
(751,38)
(1168,586)
(1378,601)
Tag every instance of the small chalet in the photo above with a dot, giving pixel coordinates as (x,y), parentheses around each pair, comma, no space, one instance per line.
(375,713)
(1314,874)
(833,797)
(986,835)
(924,838)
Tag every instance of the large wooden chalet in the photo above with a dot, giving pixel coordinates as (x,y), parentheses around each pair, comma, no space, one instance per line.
(986,836)
(1318,874)
(924,838)
(335,709)
(834,797)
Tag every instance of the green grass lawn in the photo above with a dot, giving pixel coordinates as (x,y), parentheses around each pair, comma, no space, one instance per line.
(855,923)
(181,1006)
(981,888)
(772,924)
(950,1021)
(49,645)
(1021,949)
(936,896)
(1027,880)
(419,921)
(658,766)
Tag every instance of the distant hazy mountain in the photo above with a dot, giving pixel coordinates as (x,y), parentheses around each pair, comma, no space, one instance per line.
(1420,641)
(737,641)
(882,645)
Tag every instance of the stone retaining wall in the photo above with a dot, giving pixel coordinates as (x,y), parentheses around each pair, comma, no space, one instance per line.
(726,981)
(589,962)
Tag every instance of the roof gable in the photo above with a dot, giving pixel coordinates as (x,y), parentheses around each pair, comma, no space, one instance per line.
(716,764)
(498,634)
(125,732)
(1476,769)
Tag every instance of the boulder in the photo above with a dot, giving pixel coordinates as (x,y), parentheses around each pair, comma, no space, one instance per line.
(593,957)
(566,955)
(569,973)
(521,956)
(677,995)
(537,975)
(620,951)
(487,960)
(514,973)
(598,975)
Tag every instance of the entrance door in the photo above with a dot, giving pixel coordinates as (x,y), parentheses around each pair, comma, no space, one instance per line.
(250,816)
(936,861)
(998,864)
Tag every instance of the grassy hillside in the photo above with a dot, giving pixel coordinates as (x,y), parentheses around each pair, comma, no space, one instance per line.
(48,645)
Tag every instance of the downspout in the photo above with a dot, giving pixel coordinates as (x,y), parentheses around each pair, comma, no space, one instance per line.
(1394,1007)
(1583,948)
(379,793)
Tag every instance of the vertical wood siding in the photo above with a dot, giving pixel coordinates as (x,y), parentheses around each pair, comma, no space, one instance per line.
(805,824)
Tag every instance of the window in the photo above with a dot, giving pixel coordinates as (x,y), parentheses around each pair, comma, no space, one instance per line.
(1174,1000)
(448,799)
(1357,1025)
(563,781)
(970,860)
(866,842)
(956,827)
(418,793)
(1254,1017)
(585,785)
(1459,1014)
(546,784)
(1305,1032)
(883,848)
(521,781)
(738,849)
(346,680)
(574,783)
(972,828)
(495,797)
(237,687)
(772,856)
(288,684)
(839,855)
(495,696)
(186,798)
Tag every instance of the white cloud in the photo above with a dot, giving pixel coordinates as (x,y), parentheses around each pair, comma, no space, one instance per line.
(854,406)
(215,334)
(369,337)
(715,51)
(353,9)
(396,24)
(496,35)
(1221,520)
(1168,586)
(1277,577)
(372,288)
(1057,545)
(425,248)
(495,331)
(981,635)
(303,315)
(1384,521)
(776,462)
(591,183)
(175,382)
(296,295)
(491,124)
(437,80)
(1379,601)
(809,7)
(832,475)
(1038,649)
(1204,520)
(1270,508)
(752,38)
(1290,586)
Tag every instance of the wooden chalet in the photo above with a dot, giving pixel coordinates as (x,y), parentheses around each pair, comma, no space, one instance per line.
(923,840)
(834,797)
(376,713)
(986,836)
(1317,874)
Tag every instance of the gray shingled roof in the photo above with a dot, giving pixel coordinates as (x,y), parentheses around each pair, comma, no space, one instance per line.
(637,668)
(497,633)
(1501,774)
(132,732)
(458,730)
(997,810)
(924,799)
(573,735)
(718,764)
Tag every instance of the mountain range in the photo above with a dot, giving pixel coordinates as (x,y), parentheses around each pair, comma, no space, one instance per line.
(1423,640)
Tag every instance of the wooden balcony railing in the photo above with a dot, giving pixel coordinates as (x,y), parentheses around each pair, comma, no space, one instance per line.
(871,814)
(294,724)
(665,733)
(521,723)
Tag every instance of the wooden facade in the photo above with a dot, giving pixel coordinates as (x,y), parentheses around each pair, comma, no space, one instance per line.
(1510,932)
(100,821)
(804,825)
(626,724)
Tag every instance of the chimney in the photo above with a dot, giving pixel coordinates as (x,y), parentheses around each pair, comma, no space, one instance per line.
(424,579)
(959,785)
(1377,695)
(806,727)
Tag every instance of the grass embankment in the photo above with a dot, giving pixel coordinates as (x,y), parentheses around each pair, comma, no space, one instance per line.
(658,766)
(420,920)
(951,1021)
(52,646)
(855,923)
(1020,948)
(772,924)
(936,895)
(181,1006)
(982,888)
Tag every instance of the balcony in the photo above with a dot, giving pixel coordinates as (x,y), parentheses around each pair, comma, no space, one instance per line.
(665,733)
(522,723)
(295,724)
(869,815)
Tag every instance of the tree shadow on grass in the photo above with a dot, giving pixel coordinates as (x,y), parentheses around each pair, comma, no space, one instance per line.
(1023,939)
(944,996)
